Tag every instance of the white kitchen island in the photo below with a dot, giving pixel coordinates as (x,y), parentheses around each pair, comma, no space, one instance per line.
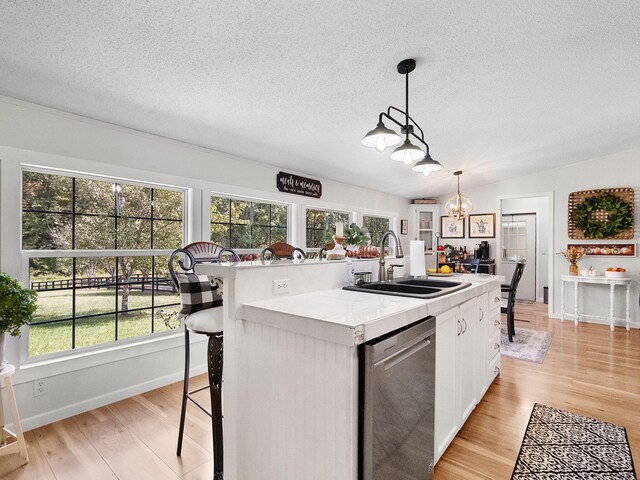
(291,365)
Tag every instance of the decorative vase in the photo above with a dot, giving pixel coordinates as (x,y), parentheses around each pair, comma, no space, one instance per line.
(573,268)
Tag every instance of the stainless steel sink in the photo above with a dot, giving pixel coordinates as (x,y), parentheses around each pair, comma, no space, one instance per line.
(430,283)
(410,287)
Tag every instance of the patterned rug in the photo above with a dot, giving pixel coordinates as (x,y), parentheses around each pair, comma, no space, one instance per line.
(531,345)
(560,445)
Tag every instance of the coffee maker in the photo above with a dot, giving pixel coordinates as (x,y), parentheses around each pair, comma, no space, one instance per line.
(482,251)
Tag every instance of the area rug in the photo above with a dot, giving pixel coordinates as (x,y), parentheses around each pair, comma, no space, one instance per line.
(560,445)
(531,345)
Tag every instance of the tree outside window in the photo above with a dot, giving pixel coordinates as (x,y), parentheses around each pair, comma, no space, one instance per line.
(376,227)
(85,299)
(321,226)
(243,224)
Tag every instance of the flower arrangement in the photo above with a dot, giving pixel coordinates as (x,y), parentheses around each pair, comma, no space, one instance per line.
(573,254)
(354,235)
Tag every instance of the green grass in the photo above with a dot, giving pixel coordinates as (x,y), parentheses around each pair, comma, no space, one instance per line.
(56,337)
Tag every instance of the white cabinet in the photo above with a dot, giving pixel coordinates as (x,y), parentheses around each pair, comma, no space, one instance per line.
(468,358)
(425,223)
(447,414)
(466,364)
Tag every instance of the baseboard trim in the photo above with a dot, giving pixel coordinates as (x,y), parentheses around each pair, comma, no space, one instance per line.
(67,411)
(569,318)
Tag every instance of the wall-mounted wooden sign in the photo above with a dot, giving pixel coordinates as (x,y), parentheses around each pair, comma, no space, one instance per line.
(290,183)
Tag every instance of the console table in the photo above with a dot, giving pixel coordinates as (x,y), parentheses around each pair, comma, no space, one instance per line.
(577,304)
(19,445)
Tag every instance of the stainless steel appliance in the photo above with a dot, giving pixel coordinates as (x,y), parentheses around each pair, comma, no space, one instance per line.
(397,397)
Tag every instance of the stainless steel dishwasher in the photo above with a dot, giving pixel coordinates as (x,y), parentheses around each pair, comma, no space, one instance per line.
(397,397)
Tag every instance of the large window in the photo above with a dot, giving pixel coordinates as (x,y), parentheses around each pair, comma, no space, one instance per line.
(376,227)
(241,224)
(321,226)
(97,252)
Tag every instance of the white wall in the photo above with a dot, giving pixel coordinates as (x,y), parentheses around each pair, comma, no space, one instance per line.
(31,134)
(618,170)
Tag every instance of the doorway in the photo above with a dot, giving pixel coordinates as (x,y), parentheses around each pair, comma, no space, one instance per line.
(519,234)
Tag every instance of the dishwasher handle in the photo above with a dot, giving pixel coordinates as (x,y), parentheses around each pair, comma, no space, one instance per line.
(397,357)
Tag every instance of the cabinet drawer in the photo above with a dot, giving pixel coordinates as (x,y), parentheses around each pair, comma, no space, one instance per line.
(493,347)
(494,324)
(493,369)
(495,298)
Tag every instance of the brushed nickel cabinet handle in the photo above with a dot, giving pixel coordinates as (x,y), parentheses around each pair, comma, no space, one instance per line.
(496,300)
(460,328)
(481,314)
(496,322)
(496,346)
(496,370)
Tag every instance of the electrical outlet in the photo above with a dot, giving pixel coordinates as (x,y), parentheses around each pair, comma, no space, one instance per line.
(280,286)
(39,387)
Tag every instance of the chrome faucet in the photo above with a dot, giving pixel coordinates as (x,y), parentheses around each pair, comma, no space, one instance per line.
(382,273)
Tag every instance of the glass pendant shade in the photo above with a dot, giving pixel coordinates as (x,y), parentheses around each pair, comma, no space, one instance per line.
(407,153)
(458,206)
(380,138)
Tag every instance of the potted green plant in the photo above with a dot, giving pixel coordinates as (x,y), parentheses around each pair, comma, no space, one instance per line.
(356,236)
(17,305)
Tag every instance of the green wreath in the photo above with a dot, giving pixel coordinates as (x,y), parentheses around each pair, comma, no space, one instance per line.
(619,216)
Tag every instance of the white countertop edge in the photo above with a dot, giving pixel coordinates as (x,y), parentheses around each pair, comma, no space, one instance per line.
(273,312)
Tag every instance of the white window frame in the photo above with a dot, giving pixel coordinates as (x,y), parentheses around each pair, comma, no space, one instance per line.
(26,256)
(352,218)
(255,251)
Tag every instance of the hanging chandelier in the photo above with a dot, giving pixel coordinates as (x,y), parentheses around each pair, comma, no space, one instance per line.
(382,137)
(458,206)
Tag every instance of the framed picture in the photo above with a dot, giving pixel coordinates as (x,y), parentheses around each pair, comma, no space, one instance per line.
(451,228)
(482,225)
(404,227)
(608,249)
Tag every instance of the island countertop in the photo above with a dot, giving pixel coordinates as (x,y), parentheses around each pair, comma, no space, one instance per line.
(351,318)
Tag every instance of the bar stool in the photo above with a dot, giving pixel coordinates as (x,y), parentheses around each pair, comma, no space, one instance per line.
(205,319)
(19,445)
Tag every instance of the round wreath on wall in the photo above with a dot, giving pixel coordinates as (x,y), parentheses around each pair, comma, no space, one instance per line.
(603,216)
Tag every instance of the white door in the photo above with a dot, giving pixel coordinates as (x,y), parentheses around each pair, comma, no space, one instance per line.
(518,243)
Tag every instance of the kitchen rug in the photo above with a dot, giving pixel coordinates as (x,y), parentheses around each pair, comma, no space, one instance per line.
(531,345)
(560,445)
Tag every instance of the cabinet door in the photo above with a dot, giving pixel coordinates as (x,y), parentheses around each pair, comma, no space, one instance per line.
(447,414)
(468,355)
(482,360)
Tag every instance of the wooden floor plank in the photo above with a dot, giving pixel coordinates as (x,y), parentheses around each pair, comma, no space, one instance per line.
(70,454)
(127,456)
(161,436)
(12,466)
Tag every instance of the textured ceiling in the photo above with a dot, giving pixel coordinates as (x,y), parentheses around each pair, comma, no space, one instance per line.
(502,88)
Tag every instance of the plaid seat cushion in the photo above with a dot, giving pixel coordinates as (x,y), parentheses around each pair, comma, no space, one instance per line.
(198,292)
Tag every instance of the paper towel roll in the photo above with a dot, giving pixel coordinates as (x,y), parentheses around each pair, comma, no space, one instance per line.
(417,266)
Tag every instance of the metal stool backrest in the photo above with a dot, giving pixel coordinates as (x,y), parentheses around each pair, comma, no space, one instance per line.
(283,250)
(474,265)
(198,252)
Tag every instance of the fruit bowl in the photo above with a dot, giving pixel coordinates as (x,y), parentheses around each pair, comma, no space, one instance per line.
(614,274)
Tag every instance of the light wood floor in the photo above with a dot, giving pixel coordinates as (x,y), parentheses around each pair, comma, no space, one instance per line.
(588,370)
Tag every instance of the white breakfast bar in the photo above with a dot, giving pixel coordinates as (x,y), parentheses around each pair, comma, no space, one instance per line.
(291,363)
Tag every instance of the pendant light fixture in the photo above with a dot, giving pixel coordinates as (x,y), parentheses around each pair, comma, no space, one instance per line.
(458,206)
(382,137)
